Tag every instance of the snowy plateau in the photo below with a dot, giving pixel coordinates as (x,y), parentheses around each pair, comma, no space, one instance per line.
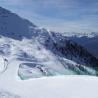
(30,56)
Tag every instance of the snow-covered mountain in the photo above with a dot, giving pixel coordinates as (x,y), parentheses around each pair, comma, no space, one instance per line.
(81,34)
(32,52)
(87,40)
(28,52)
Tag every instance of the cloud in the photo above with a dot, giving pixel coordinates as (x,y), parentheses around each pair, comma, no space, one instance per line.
(15,2)
(58,15)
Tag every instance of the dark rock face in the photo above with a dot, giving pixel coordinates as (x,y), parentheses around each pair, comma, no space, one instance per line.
(91,44)
(67,48)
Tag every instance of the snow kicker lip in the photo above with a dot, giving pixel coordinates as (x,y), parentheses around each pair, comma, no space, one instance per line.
(34,70)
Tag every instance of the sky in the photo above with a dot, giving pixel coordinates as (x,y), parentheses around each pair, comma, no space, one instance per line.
(57,15)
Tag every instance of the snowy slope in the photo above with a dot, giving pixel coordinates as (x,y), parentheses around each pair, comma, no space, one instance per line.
(39,52)
(36,60)
(55,87)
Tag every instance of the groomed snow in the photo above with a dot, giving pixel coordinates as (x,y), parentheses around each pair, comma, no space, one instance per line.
(53,87)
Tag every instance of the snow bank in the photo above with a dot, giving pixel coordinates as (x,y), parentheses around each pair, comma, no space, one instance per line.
(54,87)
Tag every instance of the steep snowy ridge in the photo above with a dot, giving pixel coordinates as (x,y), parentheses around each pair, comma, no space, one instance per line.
(39,52)
(69,49)
(13,26)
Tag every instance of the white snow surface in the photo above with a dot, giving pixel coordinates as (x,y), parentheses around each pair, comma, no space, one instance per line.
(53,87)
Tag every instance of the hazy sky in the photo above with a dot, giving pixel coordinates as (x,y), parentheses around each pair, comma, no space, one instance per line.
(58,15)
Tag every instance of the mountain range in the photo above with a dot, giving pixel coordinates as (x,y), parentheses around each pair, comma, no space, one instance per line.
(87,40)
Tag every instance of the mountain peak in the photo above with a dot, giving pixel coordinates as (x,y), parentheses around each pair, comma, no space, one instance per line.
(13,26)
